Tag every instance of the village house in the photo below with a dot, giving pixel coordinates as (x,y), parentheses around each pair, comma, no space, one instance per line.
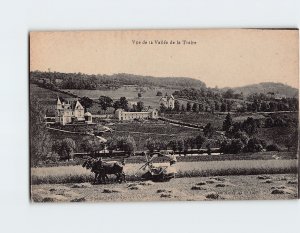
(70,112)
(121,115)
(167,101)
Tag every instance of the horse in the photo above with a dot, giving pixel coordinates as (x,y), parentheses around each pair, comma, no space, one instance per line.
(102,169)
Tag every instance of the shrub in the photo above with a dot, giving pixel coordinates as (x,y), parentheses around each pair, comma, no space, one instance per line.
(232,146)
(64,148)
(254,145)
(159,93)
(272,147)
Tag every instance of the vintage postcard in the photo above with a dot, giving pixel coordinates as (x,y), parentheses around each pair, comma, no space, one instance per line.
(164,115)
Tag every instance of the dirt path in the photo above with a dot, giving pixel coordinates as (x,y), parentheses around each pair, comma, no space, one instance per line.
(258,187)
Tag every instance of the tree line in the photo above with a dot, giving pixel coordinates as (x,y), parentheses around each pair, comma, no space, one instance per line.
(213,100)
(114,81)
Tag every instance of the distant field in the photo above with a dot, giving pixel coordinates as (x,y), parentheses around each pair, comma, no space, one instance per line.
(199,118)
(43,93)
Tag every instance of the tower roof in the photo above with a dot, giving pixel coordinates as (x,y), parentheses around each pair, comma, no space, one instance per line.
(58,101)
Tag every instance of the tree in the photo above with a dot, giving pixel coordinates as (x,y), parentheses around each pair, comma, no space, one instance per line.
(111,144)
(162,108)
(189,143)
(105,102)
(126,143)
(151,145)
(264,107)
(182,108)
(223,107)
(180,145)
(173,144)
(124,103)
(129,145)
(92,146)
(242,136)
(40,143)
(232,146)
(140,106)
(250,126)
(208,148)
(64,148)
(229,94)
(176,106)
(269,122)
(227,122)
(229,104)
(208,130)
(195,107)
(117,105)
(236,146)
(201,108)
(217,106)
(199,140)
(212,108)
(86,102)
(188,107)
(254,145)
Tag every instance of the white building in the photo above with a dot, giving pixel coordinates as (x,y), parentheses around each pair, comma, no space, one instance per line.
(167,101)
(123,116)
(70,111)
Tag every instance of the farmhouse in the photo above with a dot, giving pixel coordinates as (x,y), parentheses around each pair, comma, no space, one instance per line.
(122,115)
(167,101)
(70,112)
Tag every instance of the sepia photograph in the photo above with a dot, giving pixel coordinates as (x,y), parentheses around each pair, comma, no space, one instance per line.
(163,115)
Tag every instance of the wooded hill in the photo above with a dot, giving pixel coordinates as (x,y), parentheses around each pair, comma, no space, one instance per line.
(93,82)
(265,88)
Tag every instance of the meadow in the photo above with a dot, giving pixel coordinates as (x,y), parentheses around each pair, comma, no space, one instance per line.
(202,118)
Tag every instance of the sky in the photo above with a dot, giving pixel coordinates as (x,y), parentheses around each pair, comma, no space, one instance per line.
(219,57)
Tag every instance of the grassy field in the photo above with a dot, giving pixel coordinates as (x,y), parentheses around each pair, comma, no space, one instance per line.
(252,187)
(78,174)
(156,130)
(199,118)
(276,135)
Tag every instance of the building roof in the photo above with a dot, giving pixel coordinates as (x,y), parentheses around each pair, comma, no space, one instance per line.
(167,98)
(58,101)
(70,103)
(87,114)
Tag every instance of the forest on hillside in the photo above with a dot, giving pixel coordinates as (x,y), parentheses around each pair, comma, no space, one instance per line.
(93,82)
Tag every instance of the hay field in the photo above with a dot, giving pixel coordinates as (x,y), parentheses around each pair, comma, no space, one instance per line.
(78,174)
(252,187)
